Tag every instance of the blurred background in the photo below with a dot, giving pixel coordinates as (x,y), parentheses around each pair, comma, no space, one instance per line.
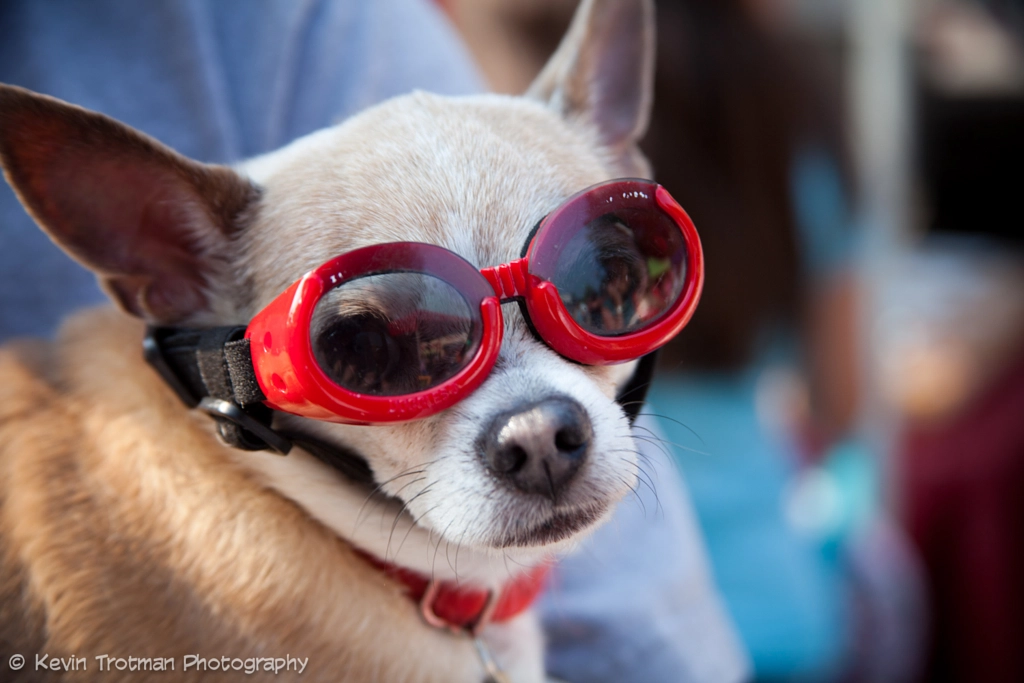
(847,406)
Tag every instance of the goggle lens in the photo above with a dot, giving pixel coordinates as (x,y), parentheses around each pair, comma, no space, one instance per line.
(621,271)
(393,334)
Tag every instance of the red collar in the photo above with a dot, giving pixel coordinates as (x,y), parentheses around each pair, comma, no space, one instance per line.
(459,608)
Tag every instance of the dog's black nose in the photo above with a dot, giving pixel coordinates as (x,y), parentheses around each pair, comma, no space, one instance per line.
(540,446)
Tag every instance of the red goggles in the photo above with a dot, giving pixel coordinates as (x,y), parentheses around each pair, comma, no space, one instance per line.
(403,330)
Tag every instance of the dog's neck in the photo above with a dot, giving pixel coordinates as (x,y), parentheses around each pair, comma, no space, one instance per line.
(380,526)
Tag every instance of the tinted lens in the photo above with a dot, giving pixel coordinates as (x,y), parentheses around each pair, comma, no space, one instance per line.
(393,334)
(621,271)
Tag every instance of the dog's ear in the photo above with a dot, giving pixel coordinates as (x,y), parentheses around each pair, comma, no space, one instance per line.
(154,226)
(603,71)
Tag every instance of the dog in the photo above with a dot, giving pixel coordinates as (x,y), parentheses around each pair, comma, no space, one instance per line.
(137,530)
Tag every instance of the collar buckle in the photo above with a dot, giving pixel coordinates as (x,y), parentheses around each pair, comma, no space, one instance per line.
(427,611)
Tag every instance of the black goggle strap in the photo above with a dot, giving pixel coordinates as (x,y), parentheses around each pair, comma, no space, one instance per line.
(631,397)
(211,369)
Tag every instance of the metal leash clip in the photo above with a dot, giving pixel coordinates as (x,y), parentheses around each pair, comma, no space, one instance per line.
(491,668)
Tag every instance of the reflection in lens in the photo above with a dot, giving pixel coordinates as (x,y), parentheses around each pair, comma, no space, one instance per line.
(393,334)
(622,271)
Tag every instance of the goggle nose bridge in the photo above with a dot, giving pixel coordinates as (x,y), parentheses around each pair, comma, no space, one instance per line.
(510,281)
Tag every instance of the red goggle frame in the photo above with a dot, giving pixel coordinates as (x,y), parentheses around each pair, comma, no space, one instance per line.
(630,237)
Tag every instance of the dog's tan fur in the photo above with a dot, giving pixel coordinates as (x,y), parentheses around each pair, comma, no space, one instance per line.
(162,547)
(127,528)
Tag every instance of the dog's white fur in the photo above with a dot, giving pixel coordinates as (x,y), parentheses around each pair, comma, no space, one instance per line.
(473,175)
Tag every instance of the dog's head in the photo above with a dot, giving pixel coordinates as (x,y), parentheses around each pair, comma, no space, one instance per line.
(541,451)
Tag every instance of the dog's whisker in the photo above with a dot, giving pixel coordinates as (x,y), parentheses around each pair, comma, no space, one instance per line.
(398,516)
(674,421)
(640,455)
(640,430)
(406,485)
(514,561)
(404,504)
(378,489)
(415,523)
(657,440)
(634,495)
(626,404)
(457,549)
(645,478)
(442,537)
(654,444)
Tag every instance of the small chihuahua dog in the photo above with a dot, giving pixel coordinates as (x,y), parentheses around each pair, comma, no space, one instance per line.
(455,403)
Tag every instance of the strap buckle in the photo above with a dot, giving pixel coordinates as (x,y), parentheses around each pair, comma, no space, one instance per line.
(225,410)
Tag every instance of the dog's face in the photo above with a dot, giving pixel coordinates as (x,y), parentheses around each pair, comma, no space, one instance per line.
(176,242)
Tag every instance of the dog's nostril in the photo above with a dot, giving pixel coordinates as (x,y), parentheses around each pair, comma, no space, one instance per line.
(569,439)
(509,460)
(538,447)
